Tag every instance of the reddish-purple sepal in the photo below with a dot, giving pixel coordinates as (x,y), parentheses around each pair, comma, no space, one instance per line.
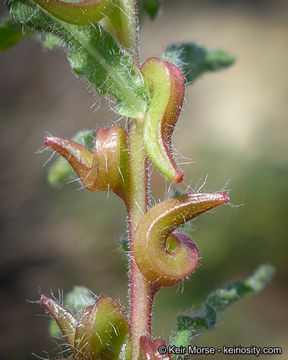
(153,349)
(64,318)
(106,168)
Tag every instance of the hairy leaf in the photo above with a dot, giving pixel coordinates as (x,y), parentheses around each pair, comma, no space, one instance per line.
(195,60)
(93,54)
(11,33)
(220,300)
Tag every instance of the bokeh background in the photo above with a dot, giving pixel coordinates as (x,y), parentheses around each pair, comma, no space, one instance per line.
(234,127)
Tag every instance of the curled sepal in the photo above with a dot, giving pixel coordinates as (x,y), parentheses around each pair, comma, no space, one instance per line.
(102,330)
(64,318)
(150,349)
(60,172)
(78,13)
(106,168)
(165,258)
(166,84)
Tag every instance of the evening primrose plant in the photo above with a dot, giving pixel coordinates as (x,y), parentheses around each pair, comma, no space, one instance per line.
(101,41)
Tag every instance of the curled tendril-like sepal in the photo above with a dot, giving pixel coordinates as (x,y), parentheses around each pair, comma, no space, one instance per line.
(149,349)
(78,13)
(100,330)
(167,86)
(106,168)
(165,258)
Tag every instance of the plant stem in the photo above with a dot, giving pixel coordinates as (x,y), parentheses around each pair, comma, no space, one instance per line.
(141,292)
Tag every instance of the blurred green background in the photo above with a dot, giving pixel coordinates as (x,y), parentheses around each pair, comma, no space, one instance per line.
(234,127)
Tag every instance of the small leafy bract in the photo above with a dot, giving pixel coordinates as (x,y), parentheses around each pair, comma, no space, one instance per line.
(219,301)
(195,60)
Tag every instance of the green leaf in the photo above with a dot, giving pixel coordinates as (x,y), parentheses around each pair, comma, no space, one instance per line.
(219,301)
(93,54)
(194,60)
(61,172)
(11,33)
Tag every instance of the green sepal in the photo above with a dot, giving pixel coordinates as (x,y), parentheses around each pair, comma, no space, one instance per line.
(102,330)
(219,301)
(11,33)
(61,172)
(93,54)
(194,60)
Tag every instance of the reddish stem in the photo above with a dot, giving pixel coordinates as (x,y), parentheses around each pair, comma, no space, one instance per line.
(141,291)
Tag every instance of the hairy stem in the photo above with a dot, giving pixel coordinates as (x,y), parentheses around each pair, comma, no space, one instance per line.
(141,292)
